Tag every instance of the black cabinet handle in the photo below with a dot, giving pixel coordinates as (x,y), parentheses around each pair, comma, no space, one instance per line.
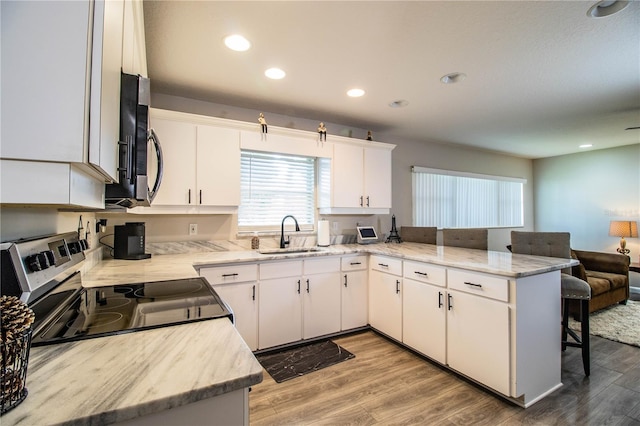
(189,195)
(367,201)
(383,265)
(298,286)
(200,202)
(449,304)
(473,284)
(439,299)
(361,203)
(307,286)
(397,286)
(424,274)
(355,263)
(253,296)
(229,275)
(345,280)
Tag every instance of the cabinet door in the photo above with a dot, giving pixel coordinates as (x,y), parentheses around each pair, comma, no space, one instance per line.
(178,141)
(44,79)
(321,304)
(134,53)
(377,178)
(385,303)
(218,166)
(478,339)
(104,128)
(280,311)
(424,319)
(347,188)
(242,298)
(354,299)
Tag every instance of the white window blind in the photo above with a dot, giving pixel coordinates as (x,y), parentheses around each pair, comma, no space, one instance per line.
(449,199)
(273,186)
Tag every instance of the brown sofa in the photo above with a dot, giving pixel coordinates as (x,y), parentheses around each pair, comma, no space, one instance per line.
(606,273)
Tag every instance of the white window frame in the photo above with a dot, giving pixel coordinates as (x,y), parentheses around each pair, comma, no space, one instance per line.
(452,199)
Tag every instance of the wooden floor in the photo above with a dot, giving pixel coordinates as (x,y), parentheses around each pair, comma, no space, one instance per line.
(386,384)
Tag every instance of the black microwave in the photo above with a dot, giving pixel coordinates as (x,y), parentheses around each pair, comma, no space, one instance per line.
(137,142)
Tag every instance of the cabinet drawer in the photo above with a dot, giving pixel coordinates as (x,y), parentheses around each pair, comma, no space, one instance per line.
(484,285)
(425,272)
(354,263)
(291,268)
(230,274)
(386,264)
(321,265)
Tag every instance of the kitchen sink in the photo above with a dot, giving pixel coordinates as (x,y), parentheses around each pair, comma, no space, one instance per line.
(288,250)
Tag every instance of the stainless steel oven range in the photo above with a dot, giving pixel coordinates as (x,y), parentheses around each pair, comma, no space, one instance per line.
(43,273)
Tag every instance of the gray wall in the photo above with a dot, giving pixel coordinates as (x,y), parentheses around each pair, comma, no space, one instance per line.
(581,193)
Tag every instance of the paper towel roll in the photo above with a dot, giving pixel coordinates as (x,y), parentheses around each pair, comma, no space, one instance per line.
(324,238)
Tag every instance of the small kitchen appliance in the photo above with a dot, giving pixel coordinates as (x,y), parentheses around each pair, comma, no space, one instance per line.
(66,311)
(128,241)
(366,235)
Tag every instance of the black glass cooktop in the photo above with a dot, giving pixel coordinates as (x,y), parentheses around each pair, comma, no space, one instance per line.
(102,311)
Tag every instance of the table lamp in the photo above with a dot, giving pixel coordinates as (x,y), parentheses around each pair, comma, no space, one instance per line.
(623,228)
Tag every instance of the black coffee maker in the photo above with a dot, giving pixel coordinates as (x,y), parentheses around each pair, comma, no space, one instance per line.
(128,241)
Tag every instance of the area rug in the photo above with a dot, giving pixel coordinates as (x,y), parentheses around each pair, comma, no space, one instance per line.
(295,362)
(620,323)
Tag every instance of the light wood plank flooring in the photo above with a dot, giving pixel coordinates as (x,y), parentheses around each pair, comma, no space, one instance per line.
(387,384)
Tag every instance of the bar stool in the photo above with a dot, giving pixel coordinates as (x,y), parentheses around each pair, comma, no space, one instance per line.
(419,234)
(557,244)
(473,238)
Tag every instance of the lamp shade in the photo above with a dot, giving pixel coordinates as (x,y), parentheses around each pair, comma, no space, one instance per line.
(623,228)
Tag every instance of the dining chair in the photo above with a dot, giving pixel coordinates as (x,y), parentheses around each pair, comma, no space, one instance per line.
(557,244)
(473,238)
(419,234)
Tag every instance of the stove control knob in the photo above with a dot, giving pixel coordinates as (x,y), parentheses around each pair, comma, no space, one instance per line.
(74,247)
(84,244)
(38,262)
(51,259)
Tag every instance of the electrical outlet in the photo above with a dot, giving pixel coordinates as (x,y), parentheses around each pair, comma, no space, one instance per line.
(193,228)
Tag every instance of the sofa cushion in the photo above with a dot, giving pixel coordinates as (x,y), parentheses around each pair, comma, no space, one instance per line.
(598,285)
(616,280)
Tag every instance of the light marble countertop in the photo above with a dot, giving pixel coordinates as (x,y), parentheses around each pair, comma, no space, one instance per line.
(121,377)
(128,375)
(185,261)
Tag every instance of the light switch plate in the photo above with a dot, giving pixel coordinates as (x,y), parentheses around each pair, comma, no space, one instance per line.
(193,228)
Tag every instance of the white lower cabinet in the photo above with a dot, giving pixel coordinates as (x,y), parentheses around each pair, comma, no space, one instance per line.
(321,297)
(355,290)
(424,316)
(478,339)
(385,296)
(237,286)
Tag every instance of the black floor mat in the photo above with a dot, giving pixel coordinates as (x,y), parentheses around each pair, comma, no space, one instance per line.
(294,362)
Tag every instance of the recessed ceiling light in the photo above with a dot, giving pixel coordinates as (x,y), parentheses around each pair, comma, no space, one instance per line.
(237,42)
(355,93)
(453,77)
(606,8)
(585,145)
(400,103)
(275,73)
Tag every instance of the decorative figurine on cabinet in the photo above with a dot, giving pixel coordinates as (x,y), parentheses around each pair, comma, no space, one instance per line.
(369,135)
(322,132)
(263,125)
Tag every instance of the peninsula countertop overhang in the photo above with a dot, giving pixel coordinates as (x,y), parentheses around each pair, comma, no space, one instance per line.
(170,266)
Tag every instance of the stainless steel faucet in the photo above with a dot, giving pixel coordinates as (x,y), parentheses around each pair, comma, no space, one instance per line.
(283,242)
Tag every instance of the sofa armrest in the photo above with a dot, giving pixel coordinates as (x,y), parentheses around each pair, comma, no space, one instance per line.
(604,262)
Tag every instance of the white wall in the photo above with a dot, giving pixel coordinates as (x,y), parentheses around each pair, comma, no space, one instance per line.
(581,193)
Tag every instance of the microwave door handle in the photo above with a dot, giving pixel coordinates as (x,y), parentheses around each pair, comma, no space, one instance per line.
(156,142)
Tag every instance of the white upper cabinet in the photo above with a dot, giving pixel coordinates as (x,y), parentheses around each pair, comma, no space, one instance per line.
(61,65)
(201,165)
(359,180)
(134,52)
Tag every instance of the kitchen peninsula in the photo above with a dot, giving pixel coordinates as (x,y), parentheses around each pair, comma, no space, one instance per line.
(62,391)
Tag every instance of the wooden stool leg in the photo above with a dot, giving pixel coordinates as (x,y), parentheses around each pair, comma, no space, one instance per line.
(586,357)
(565,322)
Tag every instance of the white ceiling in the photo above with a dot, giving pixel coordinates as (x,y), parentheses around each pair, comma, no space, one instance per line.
(542,77)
